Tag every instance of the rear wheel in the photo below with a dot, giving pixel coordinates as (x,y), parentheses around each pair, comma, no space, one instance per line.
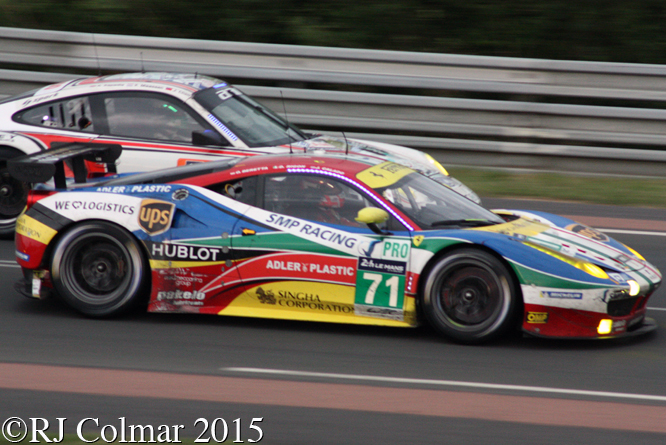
(13,194)
(469,296)
(98,269)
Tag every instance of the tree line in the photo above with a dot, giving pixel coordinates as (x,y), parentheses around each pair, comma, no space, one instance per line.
(611,30)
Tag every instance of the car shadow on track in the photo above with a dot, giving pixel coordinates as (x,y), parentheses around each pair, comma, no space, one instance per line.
(54,308)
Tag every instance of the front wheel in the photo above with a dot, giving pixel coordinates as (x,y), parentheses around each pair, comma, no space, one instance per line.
(98,268)
(469,296)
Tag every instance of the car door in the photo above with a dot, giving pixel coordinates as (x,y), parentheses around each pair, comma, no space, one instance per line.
(301,255)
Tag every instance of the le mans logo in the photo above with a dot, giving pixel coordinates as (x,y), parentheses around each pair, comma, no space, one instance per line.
(155,216)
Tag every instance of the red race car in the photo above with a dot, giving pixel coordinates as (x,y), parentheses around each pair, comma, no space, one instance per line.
(324,237)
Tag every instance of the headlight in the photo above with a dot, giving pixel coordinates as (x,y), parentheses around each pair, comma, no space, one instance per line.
(439,166)
(634,288)
(585,266)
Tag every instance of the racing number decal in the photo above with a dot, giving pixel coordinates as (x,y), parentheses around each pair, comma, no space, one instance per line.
(380,281)
(376,279)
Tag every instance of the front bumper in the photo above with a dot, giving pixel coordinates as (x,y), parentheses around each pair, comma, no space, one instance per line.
(552,322)
(646,326)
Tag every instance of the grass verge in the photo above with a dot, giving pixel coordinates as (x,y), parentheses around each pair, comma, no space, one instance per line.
(591,189)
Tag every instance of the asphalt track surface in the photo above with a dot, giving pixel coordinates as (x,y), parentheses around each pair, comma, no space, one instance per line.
(337,384)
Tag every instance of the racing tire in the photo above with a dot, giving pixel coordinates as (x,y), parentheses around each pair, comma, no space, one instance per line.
(99,269)
(469,295)
(13,194)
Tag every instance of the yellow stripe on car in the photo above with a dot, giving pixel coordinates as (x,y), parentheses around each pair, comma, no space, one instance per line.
(298,300)
(383,175)
(520,226)
(33,229)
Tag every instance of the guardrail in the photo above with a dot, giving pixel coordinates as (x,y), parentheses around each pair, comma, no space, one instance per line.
(467,110)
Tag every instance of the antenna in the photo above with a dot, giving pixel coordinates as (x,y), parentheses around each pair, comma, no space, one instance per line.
(99,67)
(346,143)
(286,117)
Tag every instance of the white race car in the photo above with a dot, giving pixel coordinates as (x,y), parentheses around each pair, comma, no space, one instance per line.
(163,120)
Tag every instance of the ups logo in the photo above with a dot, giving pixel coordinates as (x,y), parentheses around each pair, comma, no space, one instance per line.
(155,216)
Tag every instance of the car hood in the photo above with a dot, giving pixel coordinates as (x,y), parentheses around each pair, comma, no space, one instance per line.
(552,239)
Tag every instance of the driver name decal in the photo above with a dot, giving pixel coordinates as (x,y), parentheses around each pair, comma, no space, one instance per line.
(315,232)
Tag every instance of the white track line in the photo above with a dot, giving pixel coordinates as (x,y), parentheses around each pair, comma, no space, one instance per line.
(454,383)
(634,232)
(6,263)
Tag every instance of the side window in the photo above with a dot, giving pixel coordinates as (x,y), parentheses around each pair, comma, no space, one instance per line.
(243,190)
(149,116)
(315,198)
(71,114)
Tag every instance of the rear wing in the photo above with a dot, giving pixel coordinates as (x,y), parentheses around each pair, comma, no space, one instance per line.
(41,167)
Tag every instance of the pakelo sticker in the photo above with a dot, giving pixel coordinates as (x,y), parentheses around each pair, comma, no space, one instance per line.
(155,216)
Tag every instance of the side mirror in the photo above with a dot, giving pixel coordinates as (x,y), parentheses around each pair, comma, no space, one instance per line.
(232,191)
(373,216)
(208,137)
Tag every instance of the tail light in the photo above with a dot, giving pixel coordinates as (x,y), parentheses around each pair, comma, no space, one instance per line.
(36,195)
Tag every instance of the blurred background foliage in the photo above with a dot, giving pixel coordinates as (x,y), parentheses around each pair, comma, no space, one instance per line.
(610,30)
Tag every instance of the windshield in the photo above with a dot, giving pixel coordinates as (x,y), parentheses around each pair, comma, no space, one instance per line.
(426,202)
(241,117)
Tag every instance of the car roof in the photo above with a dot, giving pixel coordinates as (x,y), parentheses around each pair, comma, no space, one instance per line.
(191,80)
(205,173)
(183,84)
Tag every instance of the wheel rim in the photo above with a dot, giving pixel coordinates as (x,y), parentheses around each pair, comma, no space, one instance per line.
(97,268)
(469,299)
(470,296)
(13,197)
